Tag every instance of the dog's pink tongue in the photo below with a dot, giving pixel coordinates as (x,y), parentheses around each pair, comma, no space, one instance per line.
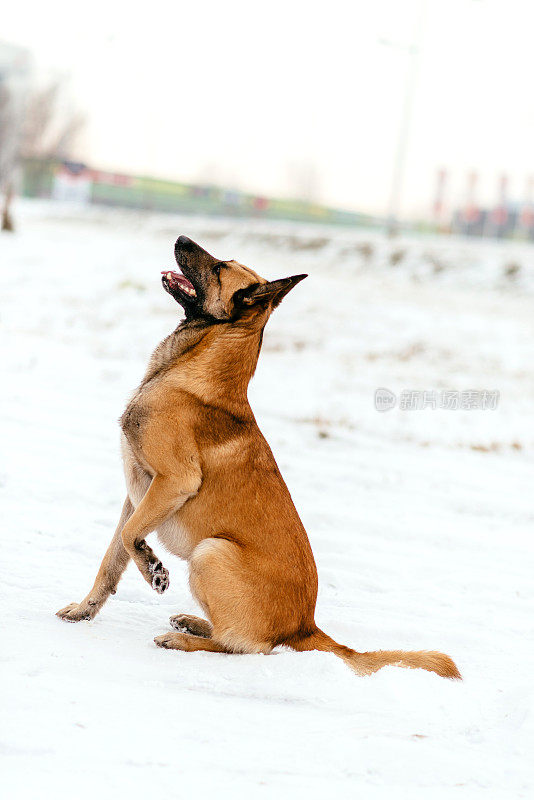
(175,279)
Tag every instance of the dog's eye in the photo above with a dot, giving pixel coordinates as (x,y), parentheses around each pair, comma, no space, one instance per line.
(217,269)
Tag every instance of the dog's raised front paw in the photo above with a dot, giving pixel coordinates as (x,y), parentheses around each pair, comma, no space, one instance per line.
(160,577)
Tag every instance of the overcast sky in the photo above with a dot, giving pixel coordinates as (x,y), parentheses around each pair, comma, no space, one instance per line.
(251,94)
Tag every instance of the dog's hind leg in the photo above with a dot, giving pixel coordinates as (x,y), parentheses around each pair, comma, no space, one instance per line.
(216,579)
(189,643)
(234,604)
(187,623)
(113,565)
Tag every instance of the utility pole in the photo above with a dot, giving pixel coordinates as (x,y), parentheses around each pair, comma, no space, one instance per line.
(414,51)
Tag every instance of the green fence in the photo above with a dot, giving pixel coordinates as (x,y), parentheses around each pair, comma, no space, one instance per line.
(152,194)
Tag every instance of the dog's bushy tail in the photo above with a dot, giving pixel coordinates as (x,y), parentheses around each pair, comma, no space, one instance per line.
(367,663)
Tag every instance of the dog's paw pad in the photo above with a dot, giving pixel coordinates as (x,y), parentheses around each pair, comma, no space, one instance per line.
(178,622)
(186,623)
(160,577)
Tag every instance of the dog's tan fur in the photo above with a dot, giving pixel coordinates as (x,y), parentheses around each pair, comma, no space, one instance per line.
(199,471)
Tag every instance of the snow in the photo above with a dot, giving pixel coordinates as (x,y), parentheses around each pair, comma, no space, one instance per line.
(420,521)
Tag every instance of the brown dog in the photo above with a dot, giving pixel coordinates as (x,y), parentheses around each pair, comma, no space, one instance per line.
(199,471)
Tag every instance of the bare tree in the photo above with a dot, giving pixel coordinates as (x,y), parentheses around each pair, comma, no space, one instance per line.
(7,219)
(50,127)
(9,124)
(15,69)
(43,127)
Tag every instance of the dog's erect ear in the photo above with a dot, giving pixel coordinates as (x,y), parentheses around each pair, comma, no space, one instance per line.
(273,292)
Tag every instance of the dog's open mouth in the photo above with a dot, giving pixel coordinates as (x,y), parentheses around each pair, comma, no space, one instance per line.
(175,282)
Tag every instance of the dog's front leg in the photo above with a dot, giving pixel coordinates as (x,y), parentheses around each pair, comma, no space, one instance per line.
(113,565)
(165,495)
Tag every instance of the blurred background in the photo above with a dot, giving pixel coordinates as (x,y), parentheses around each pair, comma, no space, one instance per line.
(415,114)
(384,148)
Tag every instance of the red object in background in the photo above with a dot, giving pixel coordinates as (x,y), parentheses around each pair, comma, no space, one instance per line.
(260,203)
(527,212)
(471,213)
(499,216)
(440,193)
(527,217)
(112,178)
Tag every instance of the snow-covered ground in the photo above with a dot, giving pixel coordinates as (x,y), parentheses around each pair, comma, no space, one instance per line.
(421,521)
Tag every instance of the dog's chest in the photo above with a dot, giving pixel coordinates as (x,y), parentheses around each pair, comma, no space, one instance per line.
(174,536)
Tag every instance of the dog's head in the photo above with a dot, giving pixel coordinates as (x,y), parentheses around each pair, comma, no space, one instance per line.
(221,291)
